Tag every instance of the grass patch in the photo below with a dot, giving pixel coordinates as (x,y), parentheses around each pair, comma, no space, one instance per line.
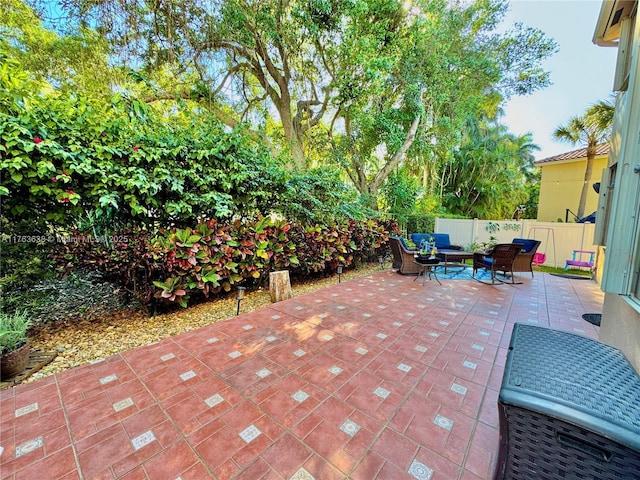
(572,271)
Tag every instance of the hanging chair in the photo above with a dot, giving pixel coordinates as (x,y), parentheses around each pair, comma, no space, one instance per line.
(539,259)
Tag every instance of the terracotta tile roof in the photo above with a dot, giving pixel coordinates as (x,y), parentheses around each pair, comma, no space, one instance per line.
(602,149)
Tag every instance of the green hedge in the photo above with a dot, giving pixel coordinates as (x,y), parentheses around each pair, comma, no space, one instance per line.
(420,223)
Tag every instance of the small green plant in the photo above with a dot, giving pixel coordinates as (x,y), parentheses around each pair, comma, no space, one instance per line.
(13,330)
(483,246)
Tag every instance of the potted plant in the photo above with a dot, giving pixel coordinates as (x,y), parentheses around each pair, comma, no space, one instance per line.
(14,344)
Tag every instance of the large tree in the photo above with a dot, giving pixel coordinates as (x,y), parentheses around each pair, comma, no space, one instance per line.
(590,130)
(294,68)
(407,85)
(75,61)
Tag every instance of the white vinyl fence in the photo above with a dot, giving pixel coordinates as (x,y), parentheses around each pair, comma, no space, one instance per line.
(558,239)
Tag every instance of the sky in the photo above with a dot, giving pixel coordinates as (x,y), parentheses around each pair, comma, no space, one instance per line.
(581,72)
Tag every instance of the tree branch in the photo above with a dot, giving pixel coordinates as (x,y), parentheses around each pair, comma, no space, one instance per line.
(397,157)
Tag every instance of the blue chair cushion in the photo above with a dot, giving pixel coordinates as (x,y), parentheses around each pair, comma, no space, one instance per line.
(528,244)
(441,239)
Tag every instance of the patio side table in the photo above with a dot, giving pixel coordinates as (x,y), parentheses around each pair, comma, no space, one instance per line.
(427,269)
(569,408)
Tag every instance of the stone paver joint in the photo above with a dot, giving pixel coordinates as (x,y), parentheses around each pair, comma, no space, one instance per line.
(122,404)
(29,446)
(302,474)
(300,396)
(469,364)
(26,409)
(143,440)
(250,433)
(350,427)
(459,389)
(420,471)
(443,422)
(404,367)
(108,379)
(381,392)
(263,372)
(214,400)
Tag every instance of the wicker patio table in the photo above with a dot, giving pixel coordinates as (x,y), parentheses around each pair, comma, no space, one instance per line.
(454,257)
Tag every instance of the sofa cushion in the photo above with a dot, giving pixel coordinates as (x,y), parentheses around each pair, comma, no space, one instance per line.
(441,239)
(528,244)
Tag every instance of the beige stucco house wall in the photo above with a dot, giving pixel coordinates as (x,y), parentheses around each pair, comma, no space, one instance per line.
(618,225)
(562,177)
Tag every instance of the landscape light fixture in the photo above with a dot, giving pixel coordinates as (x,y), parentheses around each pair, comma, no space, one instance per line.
(340,272)
(239,297)
(381,262)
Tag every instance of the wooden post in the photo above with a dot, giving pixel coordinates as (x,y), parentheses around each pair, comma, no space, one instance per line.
(279,285)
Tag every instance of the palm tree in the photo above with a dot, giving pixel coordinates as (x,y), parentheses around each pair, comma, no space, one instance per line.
(591,129)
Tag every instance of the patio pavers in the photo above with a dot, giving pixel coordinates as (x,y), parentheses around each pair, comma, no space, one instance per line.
(375,378)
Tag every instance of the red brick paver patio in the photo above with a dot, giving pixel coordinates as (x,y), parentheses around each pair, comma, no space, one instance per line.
(376,378)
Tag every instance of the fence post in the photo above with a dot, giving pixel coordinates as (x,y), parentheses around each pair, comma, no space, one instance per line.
(474,230)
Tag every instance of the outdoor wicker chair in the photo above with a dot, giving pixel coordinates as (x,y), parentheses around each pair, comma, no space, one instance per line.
(499,259)
(403,259)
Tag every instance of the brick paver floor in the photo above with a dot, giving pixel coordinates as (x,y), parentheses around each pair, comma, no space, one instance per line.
(375,378)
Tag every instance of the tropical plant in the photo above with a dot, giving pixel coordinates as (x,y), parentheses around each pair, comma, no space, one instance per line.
(488,175)
(13,330)
(399,194)
(591,129)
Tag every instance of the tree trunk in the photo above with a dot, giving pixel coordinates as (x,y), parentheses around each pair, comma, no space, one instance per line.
(293,137)
(591,154)
(279,286)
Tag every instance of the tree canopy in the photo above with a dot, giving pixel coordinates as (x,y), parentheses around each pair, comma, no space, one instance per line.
(367,87)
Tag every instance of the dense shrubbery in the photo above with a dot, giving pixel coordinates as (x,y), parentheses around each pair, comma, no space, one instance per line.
(183,264)
(118,161)
(65,156)
(107,174)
